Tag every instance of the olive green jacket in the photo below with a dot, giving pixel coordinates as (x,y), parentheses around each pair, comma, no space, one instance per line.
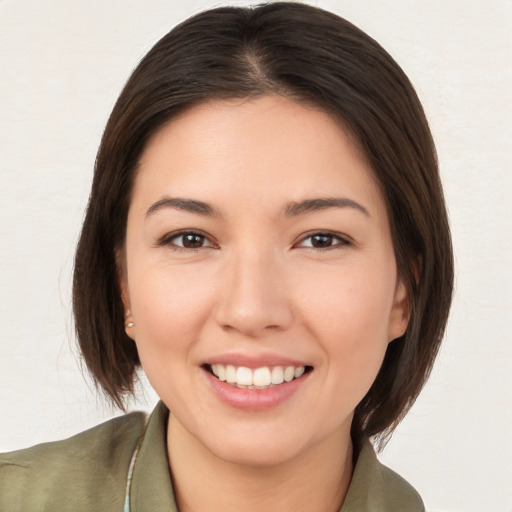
(89,473)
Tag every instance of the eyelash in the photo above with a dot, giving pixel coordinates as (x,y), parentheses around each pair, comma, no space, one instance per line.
(342,241)
(167,240)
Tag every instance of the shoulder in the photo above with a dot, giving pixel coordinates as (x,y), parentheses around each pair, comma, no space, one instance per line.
(399,494)
(374,486)
(72,472)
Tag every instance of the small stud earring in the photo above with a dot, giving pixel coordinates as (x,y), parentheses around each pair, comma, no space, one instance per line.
(130,324)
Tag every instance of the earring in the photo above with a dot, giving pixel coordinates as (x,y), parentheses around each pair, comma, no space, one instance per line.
(130,324)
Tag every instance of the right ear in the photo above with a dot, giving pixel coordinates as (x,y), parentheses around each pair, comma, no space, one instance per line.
(122,279)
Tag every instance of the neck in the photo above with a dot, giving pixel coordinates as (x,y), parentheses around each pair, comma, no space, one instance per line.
(317,479)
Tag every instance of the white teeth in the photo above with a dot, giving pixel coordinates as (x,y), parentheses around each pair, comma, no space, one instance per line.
(298,371)
(219,371)
(259,378)
(289,373)
(262,377)
(230,374)
(277,375)
(244,376)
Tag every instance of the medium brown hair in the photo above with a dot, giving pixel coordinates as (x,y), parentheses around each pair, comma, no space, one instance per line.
(306,54)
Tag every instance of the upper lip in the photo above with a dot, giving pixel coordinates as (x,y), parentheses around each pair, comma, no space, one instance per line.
(254,360)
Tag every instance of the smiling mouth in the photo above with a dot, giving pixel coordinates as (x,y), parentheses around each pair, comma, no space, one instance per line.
(256,378)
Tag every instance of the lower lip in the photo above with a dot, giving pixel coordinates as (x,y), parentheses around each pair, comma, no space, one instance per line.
(255,399)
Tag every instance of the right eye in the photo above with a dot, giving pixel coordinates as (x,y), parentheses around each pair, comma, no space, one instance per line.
(186,240)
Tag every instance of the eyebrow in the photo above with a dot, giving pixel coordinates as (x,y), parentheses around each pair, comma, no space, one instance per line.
(322,203)
(292,210)
(188,205)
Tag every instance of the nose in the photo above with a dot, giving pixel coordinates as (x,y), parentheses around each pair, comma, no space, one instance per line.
(254,299)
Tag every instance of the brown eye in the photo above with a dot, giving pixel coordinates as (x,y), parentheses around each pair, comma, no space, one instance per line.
(192,241)
(187,240)
(323,241)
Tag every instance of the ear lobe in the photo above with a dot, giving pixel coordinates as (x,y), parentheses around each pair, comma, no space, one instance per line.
(122,279)
(400,312)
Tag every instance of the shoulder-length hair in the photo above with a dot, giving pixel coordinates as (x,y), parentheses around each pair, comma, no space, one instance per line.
(305,54)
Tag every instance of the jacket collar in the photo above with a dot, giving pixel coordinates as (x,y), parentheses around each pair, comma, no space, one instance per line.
(373,486)
(151,487)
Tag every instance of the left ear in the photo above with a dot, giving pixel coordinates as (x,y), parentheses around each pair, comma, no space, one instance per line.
(400,312)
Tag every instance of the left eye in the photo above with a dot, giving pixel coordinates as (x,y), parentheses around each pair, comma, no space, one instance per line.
(322,241)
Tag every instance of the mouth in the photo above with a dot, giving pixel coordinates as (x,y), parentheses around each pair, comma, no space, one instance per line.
(265,377)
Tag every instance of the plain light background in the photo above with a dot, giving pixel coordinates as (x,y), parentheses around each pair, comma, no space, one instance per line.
(62,65)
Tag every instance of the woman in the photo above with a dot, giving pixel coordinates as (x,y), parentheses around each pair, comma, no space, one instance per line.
(266,236)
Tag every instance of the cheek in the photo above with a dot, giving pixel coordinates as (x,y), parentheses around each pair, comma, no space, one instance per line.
(350,299)
(348,312)
(169,306)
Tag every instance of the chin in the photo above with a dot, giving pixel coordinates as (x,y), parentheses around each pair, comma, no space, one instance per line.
(257,455)
(258,445)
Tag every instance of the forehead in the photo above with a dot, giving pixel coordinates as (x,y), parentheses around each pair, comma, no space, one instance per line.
(267,147)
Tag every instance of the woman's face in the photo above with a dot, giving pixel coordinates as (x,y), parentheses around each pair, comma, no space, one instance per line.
(258,250)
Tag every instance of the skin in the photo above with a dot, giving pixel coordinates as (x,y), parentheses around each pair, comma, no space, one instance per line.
(253,284)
